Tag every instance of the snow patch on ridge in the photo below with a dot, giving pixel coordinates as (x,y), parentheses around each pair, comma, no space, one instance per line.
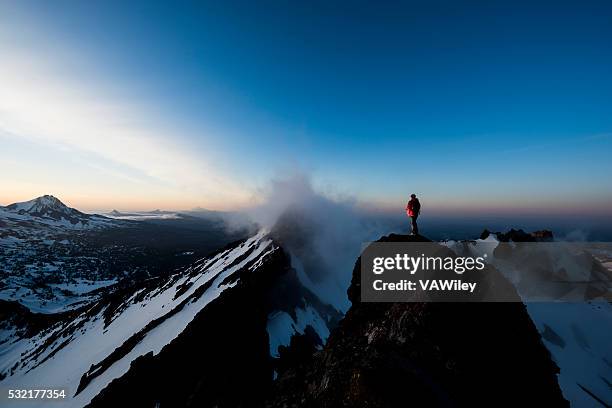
(281,326)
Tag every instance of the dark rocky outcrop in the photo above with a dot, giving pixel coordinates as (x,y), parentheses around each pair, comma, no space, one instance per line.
(424,354)
(15,316)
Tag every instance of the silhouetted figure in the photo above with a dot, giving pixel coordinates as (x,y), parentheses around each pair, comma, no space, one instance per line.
(413,209)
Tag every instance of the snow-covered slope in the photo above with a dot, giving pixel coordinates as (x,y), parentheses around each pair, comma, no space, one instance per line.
(85,353)
(577,333)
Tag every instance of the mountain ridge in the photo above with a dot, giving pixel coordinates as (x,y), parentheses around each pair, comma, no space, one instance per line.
(108,340)
(386,354)
(424,345)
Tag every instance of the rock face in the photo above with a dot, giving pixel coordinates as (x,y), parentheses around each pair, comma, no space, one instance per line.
(424,354)
(221,358)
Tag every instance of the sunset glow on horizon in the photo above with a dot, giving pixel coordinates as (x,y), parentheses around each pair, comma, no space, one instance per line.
(116,106)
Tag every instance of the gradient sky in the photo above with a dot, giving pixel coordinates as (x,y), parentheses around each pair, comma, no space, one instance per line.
(496,106)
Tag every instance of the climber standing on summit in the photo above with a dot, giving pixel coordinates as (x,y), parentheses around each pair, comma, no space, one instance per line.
(413,209)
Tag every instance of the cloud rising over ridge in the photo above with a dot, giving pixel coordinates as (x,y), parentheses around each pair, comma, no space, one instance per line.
(323,235)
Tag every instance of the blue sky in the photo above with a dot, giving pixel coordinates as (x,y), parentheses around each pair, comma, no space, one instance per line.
(474,105)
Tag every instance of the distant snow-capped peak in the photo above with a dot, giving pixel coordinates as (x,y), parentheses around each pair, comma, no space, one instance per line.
(42,206)
(49,210)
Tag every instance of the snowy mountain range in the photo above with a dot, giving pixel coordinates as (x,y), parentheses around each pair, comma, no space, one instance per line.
(244,325)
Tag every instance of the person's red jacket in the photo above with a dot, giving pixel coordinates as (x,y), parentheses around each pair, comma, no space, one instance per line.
(412,209)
